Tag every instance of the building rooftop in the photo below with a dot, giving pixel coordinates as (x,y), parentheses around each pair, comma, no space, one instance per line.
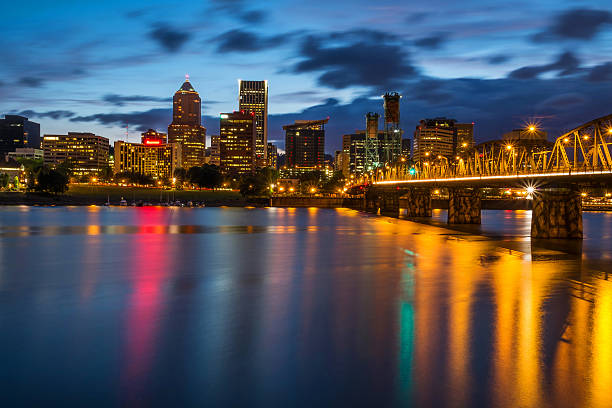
(306,124)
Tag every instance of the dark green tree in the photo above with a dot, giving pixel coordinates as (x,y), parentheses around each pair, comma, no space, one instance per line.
(52,181)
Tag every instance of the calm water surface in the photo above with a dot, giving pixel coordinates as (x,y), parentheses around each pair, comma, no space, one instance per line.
(299,307)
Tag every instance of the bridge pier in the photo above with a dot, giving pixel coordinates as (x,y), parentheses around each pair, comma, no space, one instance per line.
(464,206)
(417,202)
(371,204)
(557,214)
(389,203)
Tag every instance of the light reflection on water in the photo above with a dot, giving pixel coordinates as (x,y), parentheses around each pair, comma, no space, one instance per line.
(299,307)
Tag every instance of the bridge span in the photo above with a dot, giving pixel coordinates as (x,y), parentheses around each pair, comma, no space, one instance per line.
(554,178)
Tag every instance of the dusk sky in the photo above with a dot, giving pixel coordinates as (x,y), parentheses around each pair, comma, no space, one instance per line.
(95,66)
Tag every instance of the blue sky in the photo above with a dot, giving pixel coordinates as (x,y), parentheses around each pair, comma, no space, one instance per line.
(94,66)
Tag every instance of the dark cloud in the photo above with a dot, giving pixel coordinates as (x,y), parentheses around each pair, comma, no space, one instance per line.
(253,16)
(31,82)
(56,114)
(600,73)
(246,41)
(498,59)
(433,42)
(566,64)
(562,102)
(169,38)
(430,90)
(355,58)
(120,100)
(578,24)
(141,121)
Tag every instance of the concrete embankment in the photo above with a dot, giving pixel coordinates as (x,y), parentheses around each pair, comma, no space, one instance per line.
(337,202)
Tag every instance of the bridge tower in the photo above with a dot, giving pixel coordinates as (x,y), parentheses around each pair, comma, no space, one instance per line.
(392,144)
(372,159)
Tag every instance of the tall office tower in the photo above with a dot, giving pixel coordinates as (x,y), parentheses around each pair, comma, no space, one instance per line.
(253,97)
(393,140)
(214,150)
(372,158)
(465,138)
(85,152)
(272,156)
(433,138)
(158,160)
(237,142)
(305,143)
(153,137)
(186,128)
(18,132)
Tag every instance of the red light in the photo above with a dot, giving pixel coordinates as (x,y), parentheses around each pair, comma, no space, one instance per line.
(152,142)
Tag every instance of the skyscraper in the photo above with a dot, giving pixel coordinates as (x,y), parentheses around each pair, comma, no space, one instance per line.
(237,142)
(253,97)
(305,143)
(433,138)
(186,128)
(18,132)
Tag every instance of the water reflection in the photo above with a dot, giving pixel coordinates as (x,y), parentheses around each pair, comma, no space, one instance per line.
(298,307)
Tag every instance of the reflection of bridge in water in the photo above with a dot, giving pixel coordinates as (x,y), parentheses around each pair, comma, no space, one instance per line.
(579,158)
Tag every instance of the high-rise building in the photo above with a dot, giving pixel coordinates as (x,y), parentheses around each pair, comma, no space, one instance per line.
(465,138)
(362,146)
(237,142)
(392,147)
(156,160)
(272,156)
(305,143)
(18,132)
(186,128)
(86,153)
(253,97)
(433,138)
(215,152)
(153,137)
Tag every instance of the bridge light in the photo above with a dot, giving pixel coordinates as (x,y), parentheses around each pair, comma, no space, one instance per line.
(509,147)
(457,158)
(426,153)
(403,159)
(291,189)
(530,190)
(464,144)
(583,194)
(610,130)
(439,157)
(566,140)
(281,189)
(585,137)
(532,128)
(436,192)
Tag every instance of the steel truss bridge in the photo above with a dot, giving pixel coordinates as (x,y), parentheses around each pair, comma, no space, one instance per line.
(582,154)
(581,157)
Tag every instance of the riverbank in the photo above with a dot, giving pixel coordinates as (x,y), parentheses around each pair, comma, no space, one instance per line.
(99,195)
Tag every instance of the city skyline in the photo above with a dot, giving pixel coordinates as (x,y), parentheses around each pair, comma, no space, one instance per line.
(531,61)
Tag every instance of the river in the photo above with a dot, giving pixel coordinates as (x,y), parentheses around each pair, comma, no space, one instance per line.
(299,307)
